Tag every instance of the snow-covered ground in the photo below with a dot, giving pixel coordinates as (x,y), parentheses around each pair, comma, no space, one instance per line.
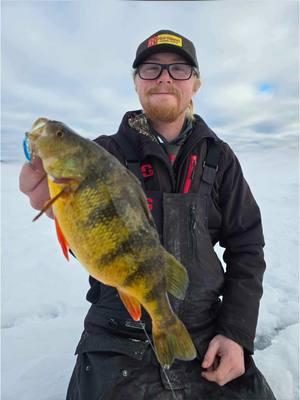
(43,296)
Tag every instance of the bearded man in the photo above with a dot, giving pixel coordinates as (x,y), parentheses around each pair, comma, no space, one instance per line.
(198,197)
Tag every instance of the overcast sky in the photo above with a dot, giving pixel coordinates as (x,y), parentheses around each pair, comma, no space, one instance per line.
(71,61)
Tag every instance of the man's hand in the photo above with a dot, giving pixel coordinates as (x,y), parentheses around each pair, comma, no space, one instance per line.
(33,183)
(223,361)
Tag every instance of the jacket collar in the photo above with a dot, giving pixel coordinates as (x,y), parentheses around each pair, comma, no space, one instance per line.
(135,127)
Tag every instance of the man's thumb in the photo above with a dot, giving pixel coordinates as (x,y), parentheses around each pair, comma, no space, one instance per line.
(210,355)
(37,164)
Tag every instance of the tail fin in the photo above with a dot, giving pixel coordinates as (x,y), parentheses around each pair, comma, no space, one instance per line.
(173,342)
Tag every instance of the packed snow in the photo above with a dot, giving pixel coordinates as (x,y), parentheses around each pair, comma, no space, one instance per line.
(43,296)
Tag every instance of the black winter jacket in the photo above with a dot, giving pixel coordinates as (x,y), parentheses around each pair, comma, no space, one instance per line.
(234,220)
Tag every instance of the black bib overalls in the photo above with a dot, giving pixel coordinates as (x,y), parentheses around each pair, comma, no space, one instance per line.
(116,362)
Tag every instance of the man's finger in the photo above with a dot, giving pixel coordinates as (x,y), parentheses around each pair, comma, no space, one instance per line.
(215,376)
(224,373)
(210,354)
(221,375)
(39,196)
(30,178)
(37,164)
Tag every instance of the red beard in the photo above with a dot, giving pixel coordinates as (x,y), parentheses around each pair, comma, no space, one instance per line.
(163,111)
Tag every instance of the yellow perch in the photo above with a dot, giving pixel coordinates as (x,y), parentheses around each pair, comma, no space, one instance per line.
(102,215)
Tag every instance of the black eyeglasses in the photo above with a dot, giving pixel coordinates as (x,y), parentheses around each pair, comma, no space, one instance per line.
(177,71)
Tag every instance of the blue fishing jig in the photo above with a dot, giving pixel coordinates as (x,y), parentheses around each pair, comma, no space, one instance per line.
(27,147)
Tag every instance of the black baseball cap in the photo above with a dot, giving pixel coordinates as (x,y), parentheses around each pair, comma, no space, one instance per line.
(165,40)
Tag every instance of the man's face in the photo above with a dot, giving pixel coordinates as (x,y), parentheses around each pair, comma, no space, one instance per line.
(164,98)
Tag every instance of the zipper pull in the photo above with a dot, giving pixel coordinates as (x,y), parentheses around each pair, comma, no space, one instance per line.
(192,226)
(190,173)
(192,217)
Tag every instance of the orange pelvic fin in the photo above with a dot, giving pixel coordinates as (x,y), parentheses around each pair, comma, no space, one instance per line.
(132,305)
(62,240)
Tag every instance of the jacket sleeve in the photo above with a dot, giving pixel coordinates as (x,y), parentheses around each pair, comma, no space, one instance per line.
(242,238)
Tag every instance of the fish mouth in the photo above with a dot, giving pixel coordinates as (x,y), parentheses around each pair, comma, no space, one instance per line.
(31,138)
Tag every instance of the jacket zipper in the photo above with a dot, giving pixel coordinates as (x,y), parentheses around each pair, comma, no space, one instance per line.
(183,157)
(190,173)
(192,228)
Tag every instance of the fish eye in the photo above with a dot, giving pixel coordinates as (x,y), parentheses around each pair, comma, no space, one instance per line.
(59,134)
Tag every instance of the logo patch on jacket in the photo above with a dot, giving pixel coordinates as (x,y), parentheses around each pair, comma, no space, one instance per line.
(147,170)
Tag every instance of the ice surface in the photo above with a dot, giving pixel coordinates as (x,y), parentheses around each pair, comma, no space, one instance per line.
(43,296)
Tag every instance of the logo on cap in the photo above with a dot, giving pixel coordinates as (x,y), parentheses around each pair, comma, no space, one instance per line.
(165,39)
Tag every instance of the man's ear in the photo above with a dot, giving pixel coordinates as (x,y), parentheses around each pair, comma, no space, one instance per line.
(197,85)
(133,77)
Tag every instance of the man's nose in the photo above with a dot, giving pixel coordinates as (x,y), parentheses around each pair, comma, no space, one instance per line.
(164,77)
